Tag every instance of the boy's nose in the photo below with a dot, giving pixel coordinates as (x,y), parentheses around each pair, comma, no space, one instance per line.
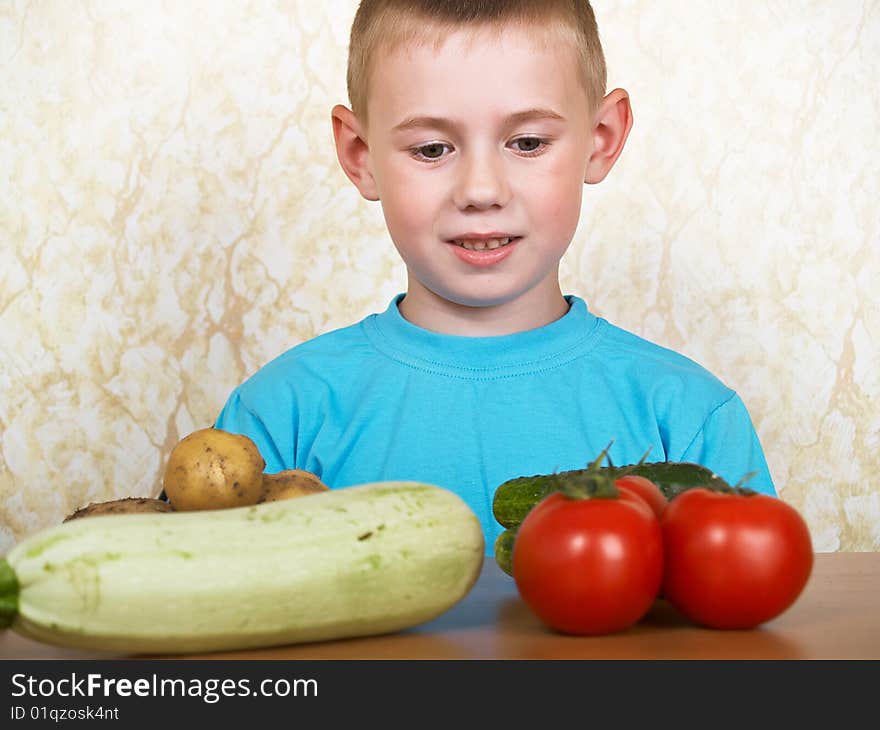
(482,183)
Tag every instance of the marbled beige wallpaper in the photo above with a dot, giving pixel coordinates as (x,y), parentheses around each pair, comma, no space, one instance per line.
(172,216)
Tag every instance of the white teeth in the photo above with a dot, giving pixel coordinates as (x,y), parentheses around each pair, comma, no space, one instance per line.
(480,245)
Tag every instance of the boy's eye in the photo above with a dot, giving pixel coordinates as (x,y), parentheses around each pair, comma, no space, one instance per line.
(530,144)
(433,151)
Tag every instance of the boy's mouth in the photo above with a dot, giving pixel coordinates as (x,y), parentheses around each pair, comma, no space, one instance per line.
(483,244)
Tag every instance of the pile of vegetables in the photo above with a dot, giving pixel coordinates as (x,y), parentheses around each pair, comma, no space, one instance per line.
(237,559)
(591,550)
(240,560)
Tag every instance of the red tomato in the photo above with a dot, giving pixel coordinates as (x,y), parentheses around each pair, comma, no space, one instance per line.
(733,560)
(644,488)
(589,566)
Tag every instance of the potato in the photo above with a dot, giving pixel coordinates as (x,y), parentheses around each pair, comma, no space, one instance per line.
(289,484)
(126,505)
(214,469)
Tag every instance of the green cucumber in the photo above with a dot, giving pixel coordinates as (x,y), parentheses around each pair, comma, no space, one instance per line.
(514,498)
(504,550)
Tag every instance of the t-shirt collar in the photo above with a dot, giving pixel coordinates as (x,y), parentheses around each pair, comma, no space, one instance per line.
(532,349)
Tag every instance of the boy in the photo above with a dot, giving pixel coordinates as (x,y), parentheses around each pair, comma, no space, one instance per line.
(476,125)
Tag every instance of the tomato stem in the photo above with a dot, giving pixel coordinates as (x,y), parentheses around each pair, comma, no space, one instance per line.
(745,477)
(604,454)
(591,484)
(644,456)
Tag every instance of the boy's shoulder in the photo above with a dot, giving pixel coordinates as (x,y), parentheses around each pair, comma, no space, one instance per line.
(653,365)
(318,357)
(627,342)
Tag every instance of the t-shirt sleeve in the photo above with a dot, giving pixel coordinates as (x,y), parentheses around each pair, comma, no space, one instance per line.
(236,417)
(728,444)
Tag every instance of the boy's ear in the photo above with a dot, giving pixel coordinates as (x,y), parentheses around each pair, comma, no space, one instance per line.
(352,151)
(610,129)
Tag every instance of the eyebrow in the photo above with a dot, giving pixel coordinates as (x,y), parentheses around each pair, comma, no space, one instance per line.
(526,115)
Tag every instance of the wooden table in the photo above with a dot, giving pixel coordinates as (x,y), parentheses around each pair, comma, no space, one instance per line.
(836,617)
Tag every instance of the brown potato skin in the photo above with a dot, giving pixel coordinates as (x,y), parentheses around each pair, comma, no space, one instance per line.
(290,484)
(214,469)
(126,505)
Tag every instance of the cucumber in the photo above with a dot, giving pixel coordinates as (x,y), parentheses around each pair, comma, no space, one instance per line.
(514,498)
(504,550)
(356,561)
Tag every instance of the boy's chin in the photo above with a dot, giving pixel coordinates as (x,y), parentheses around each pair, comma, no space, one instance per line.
(477,292)
(480,301)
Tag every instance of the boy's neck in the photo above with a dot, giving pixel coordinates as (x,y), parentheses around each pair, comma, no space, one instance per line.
(533,309)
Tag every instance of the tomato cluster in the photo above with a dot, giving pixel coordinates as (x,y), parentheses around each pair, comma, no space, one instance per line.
(592,557)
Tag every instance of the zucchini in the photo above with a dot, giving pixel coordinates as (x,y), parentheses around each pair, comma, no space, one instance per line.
(514,498)
(356,561)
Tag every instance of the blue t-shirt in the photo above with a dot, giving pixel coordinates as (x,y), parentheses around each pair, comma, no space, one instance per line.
(384,399)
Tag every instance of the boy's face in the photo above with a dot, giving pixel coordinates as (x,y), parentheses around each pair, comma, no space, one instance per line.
(488,135)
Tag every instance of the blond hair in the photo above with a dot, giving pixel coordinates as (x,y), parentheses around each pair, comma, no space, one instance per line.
(389,24)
